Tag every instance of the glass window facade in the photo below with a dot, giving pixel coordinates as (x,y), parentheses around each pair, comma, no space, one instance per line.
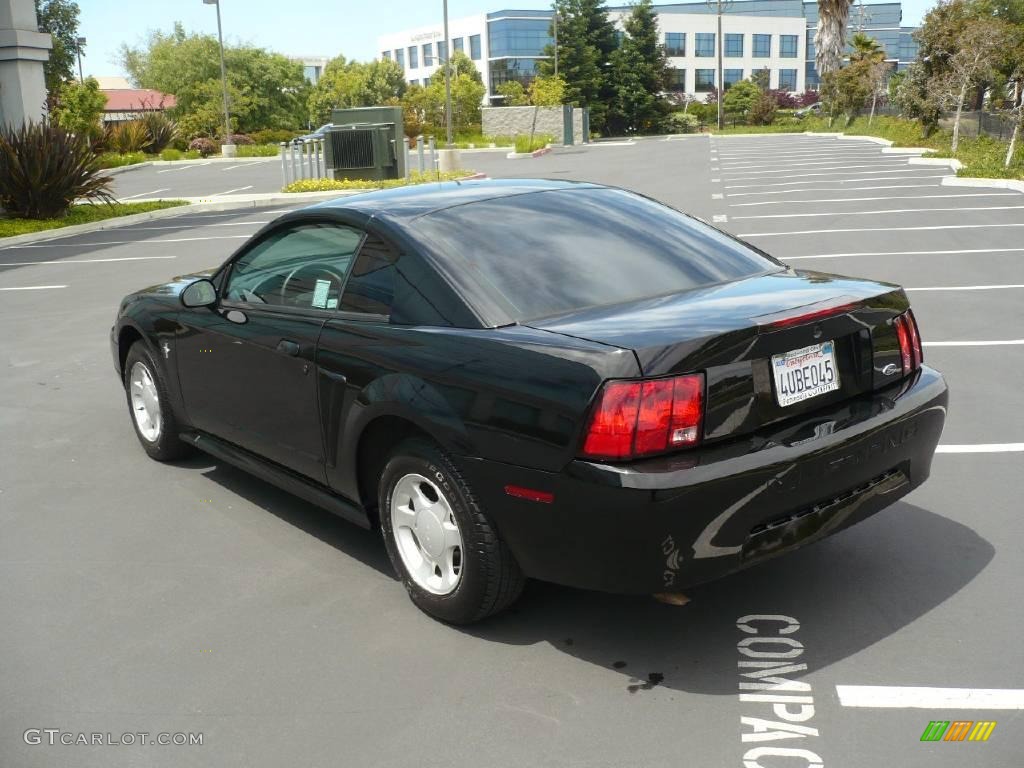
(762,46)
(428,54)
(385,54)
(442,52)
(787,79)
(675,43)
(677,80)
(703,80)
(414,59)
(400,57)
(517,37)
(704,44)
(458,44)
(733,45)
(731,77)
(474,47)
(788,46)
(503,70)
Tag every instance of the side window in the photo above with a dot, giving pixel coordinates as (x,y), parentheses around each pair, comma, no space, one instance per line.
(371,286)
(303,266)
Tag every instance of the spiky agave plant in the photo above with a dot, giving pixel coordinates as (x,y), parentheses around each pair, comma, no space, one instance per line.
(44,169)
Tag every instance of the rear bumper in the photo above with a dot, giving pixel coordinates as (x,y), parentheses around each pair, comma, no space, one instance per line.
(670,522)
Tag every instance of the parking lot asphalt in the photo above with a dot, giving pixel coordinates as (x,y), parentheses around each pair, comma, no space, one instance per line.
(140,597)
(212,178)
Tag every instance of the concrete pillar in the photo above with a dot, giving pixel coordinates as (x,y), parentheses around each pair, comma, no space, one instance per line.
(23,49)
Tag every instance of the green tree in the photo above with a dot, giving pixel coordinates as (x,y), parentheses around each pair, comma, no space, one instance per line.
(80,107)
(265,90)
(762,78)
(59,18)
(346,84)
(547,91)
(762,112)
(847,90)
(513,93)
(740,98)
(910,92)
(869,51)
(586,42)
(640,75)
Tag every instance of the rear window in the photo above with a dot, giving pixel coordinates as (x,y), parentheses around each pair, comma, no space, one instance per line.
(527,256)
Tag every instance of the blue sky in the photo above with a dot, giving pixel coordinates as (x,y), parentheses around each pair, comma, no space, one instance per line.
(306,27)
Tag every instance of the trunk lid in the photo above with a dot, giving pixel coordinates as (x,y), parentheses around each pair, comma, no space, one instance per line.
(732,331)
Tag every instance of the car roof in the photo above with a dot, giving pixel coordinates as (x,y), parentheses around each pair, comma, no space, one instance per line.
(401,205)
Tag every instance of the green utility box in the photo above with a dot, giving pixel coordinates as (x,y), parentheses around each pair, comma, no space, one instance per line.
(365,143)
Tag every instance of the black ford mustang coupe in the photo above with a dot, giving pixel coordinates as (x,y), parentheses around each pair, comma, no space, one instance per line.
(537,378)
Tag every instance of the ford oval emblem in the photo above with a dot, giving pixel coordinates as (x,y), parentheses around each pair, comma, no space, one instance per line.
(890,369)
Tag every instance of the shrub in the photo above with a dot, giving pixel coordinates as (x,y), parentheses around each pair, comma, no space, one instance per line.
(171,154)
(784,99)
(205,147)
(265,150)
(127,137)
(762,112)
(193,154)
(684,122)
(44,168)
(116,159)
(329,185)
(809,97)
(524,145)
(162,131)
(240,140)
(272,136)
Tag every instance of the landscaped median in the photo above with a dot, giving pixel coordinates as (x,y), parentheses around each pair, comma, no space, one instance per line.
(330,185)
(85,213)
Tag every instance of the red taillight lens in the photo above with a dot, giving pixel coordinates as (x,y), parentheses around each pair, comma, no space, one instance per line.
(641,418)
(910,341)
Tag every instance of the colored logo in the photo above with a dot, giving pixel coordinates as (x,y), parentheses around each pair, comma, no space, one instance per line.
(958,730)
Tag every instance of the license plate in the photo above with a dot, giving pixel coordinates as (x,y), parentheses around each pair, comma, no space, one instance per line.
(805,373)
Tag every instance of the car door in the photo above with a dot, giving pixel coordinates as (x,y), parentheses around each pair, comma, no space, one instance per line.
(247,365)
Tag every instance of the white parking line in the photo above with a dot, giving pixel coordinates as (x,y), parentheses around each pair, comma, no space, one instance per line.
(32,287)
(144,194)
(902,169)
(982,448)
(868,199)
(998,343)
(131,242)
(906,253)
(816,166)
(188,167)
(877,229)
(839,181)
(879,213)
(195,226)
(905,697)
(967,288)
(838,189)
(240,189)
(83,261)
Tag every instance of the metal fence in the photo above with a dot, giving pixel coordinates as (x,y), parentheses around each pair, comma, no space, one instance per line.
(307,159)
(973,123)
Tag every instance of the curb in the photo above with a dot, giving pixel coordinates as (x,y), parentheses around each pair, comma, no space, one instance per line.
(949,162)
(206,206)
(906,150)
(524,155)
(970,181)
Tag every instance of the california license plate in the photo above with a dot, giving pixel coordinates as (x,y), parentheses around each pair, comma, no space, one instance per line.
(805,373)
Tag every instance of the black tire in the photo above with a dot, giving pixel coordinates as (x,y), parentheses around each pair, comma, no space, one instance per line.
(490,579)
(167,446)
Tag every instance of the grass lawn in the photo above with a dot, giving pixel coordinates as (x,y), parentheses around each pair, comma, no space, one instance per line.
(82,214)
(982,156)
(327,185)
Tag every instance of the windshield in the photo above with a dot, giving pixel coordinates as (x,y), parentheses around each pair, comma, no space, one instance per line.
(533,255)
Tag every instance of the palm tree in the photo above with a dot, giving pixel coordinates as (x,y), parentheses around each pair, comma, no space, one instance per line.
(869,51)
(830,39)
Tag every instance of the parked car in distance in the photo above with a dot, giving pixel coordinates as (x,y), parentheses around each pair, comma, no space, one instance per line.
(545,379)
(319,133)
(810,109)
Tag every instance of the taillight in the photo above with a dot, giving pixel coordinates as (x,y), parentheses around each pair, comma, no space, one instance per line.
(910,341)
(641,418)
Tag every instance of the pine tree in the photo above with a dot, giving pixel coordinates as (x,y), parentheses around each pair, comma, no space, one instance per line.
(640,75)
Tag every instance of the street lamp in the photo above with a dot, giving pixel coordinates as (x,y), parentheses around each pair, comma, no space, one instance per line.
(228,148)
(719,5)
(555,21)
(79,43)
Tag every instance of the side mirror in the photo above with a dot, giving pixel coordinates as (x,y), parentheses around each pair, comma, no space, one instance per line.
(201,293)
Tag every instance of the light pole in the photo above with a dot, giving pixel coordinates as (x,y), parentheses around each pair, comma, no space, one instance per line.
(556,41)
(228,148)
(447,79)
(718,5)
(79,42)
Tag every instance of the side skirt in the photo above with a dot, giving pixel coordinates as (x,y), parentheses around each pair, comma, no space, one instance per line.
(283,478)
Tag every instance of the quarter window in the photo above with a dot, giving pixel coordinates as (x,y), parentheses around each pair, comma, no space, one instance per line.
(302,267)
(371,286)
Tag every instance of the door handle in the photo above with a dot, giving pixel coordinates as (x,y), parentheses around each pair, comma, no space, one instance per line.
(288,347)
